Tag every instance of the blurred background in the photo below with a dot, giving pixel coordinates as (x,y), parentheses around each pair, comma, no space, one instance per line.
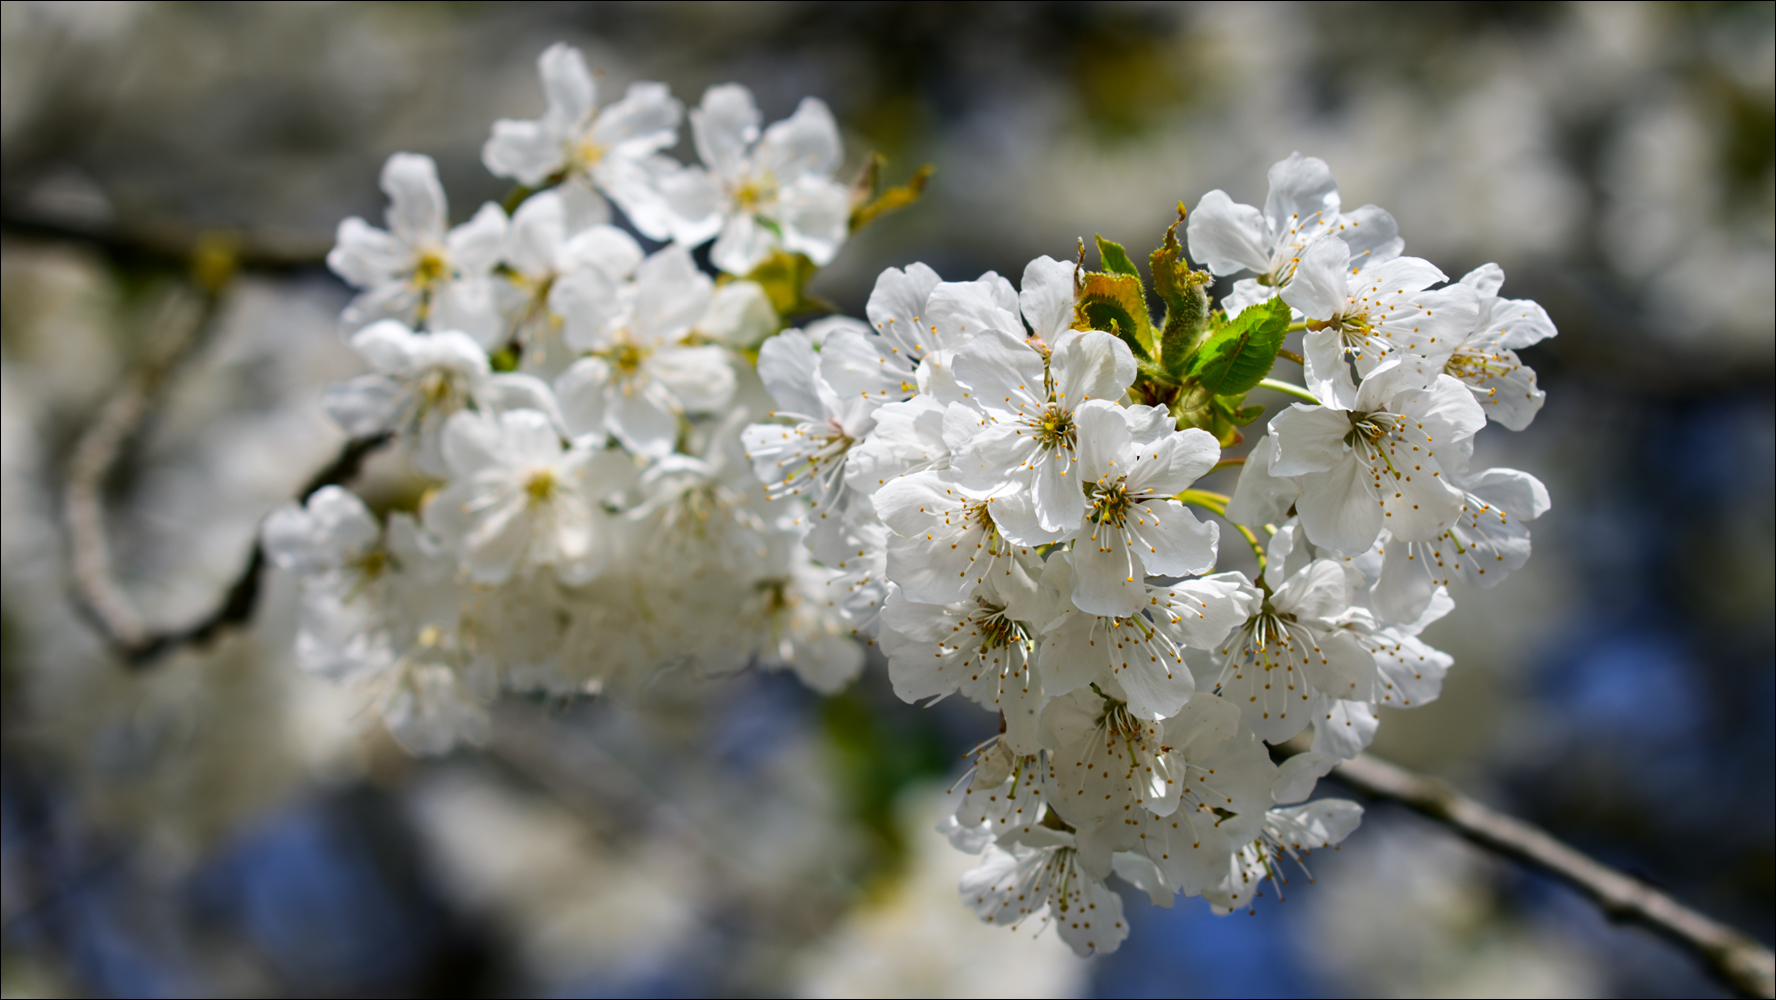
(219,823)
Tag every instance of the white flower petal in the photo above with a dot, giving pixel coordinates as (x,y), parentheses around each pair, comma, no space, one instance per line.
(417,213)
(1226,236)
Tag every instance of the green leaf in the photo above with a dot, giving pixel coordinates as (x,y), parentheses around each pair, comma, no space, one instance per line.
(1169,267)
(1237,356)
(1221,416)
(1147,371)
(1115,259)
(1195,407)
(868,205)
(1241,415)
(1115,303)
(785,277)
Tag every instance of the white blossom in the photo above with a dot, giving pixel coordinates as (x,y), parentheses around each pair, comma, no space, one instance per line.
(1138,658)
(1487,541)
(786,623)
(1374,464)
(519,499)
(1133,527)
(1487,359)
(920,322)
(1359,318)
(1001,795)
(1294,647)
(1294,832)
(705,511)
(1303,205)
(541,248)
(757,192)
(1031,437)
(1181,791)
(587,149)
(805,455)
(1037,874)
(380,612)
(947,538)
(981,646)
(417,382)
(639,376)
(418,270)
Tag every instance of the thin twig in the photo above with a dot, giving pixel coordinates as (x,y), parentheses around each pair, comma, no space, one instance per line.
(175,335)
(110,610)
(1742,962)
(165,246)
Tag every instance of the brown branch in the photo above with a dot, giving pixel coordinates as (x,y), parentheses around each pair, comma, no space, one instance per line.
(166,246)
(1742,962)
(213,259)
(110,610)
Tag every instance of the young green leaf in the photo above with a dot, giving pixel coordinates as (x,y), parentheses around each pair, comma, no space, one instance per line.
(868,207)
(785,277)
(1115,259)
(1117,304)
(1241,415)
(1238,356)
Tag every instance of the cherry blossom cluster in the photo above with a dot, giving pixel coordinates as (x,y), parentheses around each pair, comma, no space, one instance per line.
(637,476)
(1018,463)
(576,404)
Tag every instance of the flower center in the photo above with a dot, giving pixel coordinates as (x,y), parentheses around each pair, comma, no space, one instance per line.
(976,512)
(776,596)
(754,193)
(1109,503)
(627,357)
(1477,366)
(996,630)
(430,270)
(1368,428)
(439,389)
(586,153)
(540,486)
(371,564)
(1054,428)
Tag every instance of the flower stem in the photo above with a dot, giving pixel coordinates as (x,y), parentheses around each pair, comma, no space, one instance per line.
(1289,389)
(1216,503)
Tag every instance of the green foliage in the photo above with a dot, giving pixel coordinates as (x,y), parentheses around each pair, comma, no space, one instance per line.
(1221,416)
(1113,300)
(520,193)
(1198,363)
(1239,353)
(784,277)
(868,203)
(1113,258)
(1186,296)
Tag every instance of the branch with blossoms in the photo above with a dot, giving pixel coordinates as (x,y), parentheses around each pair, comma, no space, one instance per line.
(640,475)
